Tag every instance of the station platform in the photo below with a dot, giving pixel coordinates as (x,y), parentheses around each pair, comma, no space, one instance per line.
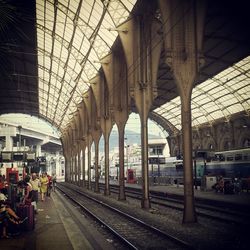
(57,226)
(60,225)
(242,198)
(210,195)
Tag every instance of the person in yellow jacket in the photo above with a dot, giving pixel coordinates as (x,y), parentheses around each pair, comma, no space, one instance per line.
(44,185)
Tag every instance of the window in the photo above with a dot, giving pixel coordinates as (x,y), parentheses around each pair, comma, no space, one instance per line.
(238,157)
(230,158)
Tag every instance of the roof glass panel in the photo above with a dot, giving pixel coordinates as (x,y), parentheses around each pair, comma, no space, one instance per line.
(79,36)
(221,96)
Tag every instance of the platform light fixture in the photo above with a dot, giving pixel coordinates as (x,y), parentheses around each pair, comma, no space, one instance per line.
(118,30)
(100,62)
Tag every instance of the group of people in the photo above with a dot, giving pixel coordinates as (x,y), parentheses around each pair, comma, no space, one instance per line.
(233,186)
(27,193)
(35,185)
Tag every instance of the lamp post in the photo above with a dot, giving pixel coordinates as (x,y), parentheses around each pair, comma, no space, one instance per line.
(158,163)
(19,130)
(195,169)
(127,146)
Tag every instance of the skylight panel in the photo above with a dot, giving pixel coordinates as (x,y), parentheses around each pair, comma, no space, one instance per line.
(118,12)
(81,87)
(40,8)
(234,108)
(67,77)
(107,37)
(217,92)
(107,22)
(86,10)
(199,120)
(78,37)
(49,18)
(57,49)
(40,40)
(61,20)
(215,115)
(69,28)
(227,99)
(54,66)
(60,72)
(212,106)
(46,87)
(101,48)
(48,43)
(57,85)
(96,16)
(90,71)
(199,98)
(244,91)
(74,5)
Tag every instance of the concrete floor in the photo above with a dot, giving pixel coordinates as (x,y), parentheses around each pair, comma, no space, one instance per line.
(58,225)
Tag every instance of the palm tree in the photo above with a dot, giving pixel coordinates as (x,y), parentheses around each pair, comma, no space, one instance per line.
(12,19)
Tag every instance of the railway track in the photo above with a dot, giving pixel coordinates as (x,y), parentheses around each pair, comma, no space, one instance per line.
(226,215)
(131,231)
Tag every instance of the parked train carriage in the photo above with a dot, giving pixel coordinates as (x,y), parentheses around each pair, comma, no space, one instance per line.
(230,164)
(168,167)
(228,169)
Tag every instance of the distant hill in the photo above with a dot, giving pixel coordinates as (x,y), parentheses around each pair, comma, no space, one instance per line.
(132,138)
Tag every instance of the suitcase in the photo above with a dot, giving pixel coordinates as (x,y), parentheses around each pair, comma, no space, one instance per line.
(24,211)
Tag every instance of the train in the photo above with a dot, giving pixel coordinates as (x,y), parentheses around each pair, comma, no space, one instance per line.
(229,164)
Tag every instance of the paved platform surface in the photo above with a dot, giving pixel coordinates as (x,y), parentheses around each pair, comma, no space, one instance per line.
(243,198)
(49,231)
(57,226)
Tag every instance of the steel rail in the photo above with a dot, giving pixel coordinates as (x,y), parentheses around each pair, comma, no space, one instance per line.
(136,220)
(114,232)
(137,195)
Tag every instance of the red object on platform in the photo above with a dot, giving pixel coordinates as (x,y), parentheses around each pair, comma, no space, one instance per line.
(131,176)
(11,175)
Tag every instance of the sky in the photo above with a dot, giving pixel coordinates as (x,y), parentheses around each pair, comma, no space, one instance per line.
(133,125)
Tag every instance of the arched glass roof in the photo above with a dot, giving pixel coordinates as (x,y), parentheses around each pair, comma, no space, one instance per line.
(72,37)
(221,96)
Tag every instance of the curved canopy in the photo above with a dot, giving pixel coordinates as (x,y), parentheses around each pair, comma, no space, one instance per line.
(72,37)
(221,96)
(51,49)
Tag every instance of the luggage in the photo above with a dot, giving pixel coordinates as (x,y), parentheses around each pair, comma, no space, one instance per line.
(24,211)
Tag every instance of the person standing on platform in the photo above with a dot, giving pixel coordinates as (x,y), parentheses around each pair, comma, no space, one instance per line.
(49,188)
(54,182)
(27,191)
(35,183)
(44,185)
